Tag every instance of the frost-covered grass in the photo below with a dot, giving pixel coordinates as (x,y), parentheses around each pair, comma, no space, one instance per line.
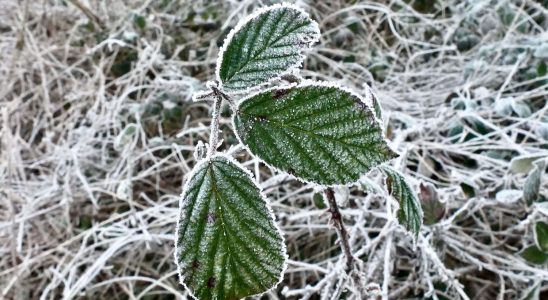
(88,204)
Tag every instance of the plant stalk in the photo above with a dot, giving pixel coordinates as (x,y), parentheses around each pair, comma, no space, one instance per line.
(339,227)
(214,131)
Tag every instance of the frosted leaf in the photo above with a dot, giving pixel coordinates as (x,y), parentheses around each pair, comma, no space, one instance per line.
(508,196)
(125,136)
(264,46)
(531,187)
(227,246)
(200,151)
(541,51)
(316,132)
(433,208)
(542,208)
(521,109)
(542,131)
(410,213)
(372,101)
(524,163)
(503,107)
(369,186)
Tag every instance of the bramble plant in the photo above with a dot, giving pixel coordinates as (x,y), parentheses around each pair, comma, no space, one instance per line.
(227,243)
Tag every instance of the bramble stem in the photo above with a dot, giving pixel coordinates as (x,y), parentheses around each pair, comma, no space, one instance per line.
(339,227)
(214,132)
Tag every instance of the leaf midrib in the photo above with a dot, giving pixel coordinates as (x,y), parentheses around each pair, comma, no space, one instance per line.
(227,236)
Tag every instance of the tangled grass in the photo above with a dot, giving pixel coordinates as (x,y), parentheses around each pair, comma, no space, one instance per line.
(97,132)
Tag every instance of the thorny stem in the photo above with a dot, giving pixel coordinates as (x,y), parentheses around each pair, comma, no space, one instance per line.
(339,227)
(345,246)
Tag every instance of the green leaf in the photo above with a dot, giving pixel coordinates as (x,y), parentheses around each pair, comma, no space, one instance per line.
(410,214)
(264,46)
(542,69)
(140,21)
(541,236)
(374,102)
(316,132)
(227,244)
(534,255)
(318,201)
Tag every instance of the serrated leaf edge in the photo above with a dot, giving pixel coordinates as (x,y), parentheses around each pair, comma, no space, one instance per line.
(306,83)
(242,23)
(385,170)
(264,198)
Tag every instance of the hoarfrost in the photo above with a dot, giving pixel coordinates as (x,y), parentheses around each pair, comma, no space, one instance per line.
(226,233)
(317,132)
(264,46)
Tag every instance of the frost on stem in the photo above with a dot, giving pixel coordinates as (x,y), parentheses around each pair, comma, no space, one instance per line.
(339,226)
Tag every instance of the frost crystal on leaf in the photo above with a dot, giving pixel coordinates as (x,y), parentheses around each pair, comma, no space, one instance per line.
(228,246)
(264,46)
(524,163)
(316,132)
(410,214)
(531,186)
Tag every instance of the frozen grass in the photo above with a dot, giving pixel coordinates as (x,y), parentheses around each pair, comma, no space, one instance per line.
(88,208)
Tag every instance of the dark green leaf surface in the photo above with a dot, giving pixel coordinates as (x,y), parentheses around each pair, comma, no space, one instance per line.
(410,214)
(264,46)
(534,255)
(316,132)
(541,235)
(227,244)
